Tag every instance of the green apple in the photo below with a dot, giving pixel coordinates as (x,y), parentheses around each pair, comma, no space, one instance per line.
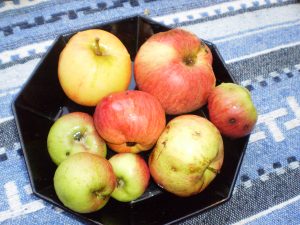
(84,182)
(72,133)
(188,155)
(132,175)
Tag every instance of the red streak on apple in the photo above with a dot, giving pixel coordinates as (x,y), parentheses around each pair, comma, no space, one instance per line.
(231,110)
(129,121)
(176,67)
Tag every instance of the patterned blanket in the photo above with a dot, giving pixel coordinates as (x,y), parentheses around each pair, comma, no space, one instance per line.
(260,42)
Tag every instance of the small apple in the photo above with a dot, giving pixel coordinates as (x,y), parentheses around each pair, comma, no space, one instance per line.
(188,155)
(231,110)
(176,67)
(93,64)
(74,132)
(84,182)
(132,175)
(130,121)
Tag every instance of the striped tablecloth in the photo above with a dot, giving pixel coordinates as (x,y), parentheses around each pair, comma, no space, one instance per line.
(260,42)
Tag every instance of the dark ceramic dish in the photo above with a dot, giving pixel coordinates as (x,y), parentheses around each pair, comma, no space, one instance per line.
(42,101)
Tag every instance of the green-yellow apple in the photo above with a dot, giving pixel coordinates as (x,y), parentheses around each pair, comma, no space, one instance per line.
(176,67)
(132,175)
(188,155)
(84,182)
(231,110)
(130,121)
(93,64)
(74,132)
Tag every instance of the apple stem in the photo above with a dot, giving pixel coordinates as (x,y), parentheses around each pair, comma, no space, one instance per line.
(189,60)
(99,195)
(97,47)
(120,182)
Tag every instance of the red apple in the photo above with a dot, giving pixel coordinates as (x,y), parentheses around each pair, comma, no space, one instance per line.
(231,110)
(176,67)
(130,121)
(188,155)
(93,64)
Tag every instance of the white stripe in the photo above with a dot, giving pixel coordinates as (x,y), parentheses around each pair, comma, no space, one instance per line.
(260,78)
(11,92)
(2,150)
(274,74)
(296,109)
(17,146)
(211,11)
(15,76)
(28,189)
(280,171)
(23,210)
(12,194)
(262,52)
(269,119)
(245,82)
(297,66)
(58,210)
(257,136)
(286,70)
(2,120)
(246,22)
(264,177)
(238,36)
(268,211)
(16,208)
(293,165)
(23,52)
(247,184)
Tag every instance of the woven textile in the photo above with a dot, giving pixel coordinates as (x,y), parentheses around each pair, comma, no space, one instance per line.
(260,43)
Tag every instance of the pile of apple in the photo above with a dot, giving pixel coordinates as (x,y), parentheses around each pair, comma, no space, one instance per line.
(174,76)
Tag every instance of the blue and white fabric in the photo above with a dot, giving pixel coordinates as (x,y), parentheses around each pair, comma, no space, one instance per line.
(260,42)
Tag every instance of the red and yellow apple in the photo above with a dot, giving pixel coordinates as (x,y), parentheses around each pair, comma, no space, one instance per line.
(176,67)
(84,182)
(188,155)
(72,133)
(132,174)
(129,121)
(231,110)
(93,64)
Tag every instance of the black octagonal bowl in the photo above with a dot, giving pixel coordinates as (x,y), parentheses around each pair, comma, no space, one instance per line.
(42,101)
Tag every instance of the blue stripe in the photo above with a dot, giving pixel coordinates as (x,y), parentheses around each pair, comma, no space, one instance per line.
(64,17)
(292,22)
(5,105)
(287,215)
(261,154)
(258,42)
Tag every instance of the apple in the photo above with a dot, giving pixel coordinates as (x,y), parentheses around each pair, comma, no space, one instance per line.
(129,121)
(93,64)
(74,132)
(84,182)
(132,174)
(176,67)
(188,155)
(231,110)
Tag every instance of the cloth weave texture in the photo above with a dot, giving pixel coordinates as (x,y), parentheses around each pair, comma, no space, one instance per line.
(260,43)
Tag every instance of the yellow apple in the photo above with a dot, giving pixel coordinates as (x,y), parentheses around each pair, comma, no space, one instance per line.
(93,64)
(188,155)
